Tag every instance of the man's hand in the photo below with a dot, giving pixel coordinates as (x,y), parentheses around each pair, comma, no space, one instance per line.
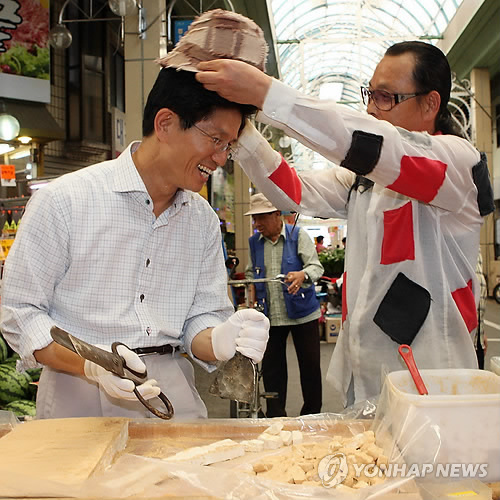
(295,278)
(246,331)
(117,387)
(236,81)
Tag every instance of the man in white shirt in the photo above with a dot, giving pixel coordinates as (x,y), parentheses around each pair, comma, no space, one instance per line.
(127,251)
(414,195)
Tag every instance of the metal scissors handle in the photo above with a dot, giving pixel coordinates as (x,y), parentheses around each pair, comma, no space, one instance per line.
(112,362)
(138,379)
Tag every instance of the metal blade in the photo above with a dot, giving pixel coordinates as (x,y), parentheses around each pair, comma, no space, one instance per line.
(108,360)
(235,380)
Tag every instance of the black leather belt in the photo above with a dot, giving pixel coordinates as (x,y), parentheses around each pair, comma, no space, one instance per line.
(164,349)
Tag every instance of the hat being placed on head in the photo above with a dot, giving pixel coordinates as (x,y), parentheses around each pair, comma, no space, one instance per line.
(259,204)
(218,34)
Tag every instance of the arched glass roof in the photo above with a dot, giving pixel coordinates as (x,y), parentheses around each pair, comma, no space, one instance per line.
(328,48)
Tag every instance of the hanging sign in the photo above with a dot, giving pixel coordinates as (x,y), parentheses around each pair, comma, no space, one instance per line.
(8,175)
(118,130)
(24,50)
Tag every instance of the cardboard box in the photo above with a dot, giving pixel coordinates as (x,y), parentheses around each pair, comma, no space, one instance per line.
(332,327)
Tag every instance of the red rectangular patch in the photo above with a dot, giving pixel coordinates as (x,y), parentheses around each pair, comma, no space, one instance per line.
(398,243)
(464,299)
(286,179)
(419,178)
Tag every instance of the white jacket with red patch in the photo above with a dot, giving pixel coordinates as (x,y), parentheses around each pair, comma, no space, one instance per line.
(414,205)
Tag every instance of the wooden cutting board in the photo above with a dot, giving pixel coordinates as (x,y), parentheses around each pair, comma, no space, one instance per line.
(65,451)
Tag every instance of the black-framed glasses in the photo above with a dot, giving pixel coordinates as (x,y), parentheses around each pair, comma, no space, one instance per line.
(383,100)
(219,145)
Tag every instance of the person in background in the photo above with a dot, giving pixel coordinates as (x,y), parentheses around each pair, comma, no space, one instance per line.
(479,339)
(278,248)
(101,253)
(319,244)
(344,239)
(414,194)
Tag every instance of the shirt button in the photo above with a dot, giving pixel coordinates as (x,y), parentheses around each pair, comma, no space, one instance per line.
(148,330)
(142,297)
(148,262)
(148,201)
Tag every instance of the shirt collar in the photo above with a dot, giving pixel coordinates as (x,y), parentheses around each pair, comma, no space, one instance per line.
(282,233)
(126,177)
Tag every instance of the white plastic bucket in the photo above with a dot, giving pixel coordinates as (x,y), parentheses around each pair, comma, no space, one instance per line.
(463,406)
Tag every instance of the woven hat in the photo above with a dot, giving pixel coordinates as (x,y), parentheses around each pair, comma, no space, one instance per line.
(259,204)
(218,34)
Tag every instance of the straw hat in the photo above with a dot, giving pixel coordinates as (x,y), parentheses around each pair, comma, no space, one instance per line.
(259,204)
(218,34)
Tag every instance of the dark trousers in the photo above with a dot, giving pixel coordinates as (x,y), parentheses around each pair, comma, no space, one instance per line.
(275,372)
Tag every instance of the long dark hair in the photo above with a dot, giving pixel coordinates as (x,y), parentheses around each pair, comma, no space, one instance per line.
(431,72)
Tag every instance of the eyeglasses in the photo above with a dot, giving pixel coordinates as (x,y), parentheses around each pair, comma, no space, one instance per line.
(220,146)
(383,100)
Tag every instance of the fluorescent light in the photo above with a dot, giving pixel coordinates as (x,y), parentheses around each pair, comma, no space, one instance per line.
(20,154)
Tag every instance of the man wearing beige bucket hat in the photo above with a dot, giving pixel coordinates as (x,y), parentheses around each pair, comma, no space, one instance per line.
(414,194)
(292,307)
(104,251)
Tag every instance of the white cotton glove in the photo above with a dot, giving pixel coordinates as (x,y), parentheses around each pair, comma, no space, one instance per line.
(117,387)
(246,331)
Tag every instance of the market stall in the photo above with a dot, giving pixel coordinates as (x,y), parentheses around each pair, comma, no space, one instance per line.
(118,458)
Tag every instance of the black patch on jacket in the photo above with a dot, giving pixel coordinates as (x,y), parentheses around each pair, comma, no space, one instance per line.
(481,178)
(364,152)
(403,310)
(361,184)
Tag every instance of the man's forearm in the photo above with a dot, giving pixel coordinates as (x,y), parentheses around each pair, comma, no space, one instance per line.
(201,347)
(60,358)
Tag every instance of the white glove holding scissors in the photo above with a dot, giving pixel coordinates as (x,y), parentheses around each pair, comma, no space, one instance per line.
(246,331)
(121,388)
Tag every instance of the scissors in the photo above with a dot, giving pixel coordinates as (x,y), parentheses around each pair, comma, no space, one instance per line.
(112,362)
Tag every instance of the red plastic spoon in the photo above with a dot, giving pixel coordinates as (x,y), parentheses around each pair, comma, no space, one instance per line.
(407,355)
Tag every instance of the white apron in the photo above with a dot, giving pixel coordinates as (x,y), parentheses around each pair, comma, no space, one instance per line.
(63,395)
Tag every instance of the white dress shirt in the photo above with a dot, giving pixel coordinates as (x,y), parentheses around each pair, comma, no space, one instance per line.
(91,257)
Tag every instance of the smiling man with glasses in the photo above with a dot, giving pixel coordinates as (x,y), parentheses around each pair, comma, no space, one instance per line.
(414,194)
(127,251)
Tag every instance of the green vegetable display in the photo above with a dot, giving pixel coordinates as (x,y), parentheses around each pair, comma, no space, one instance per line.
(332,259)
(33,62)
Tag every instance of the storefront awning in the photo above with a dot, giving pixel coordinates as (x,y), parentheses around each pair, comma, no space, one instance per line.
(35,120)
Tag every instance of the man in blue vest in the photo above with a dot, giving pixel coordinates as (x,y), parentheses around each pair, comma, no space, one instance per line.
(278,248)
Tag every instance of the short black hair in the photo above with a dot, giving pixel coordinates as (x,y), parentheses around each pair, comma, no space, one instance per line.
(431,72)
(180,92)
(320,238)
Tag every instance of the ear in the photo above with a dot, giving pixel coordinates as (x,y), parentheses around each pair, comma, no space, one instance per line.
(432,104)
(165,119)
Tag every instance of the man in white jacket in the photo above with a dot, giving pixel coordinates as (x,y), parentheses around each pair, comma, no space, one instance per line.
(414,195)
